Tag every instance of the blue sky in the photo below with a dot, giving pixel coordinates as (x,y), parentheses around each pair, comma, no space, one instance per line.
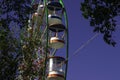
(96,61)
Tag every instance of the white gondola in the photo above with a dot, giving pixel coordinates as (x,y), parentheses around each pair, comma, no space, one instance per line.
(54,19)
(37,16)
(55,23)
(40,9)
(54,5)
(56,43)
(56,68)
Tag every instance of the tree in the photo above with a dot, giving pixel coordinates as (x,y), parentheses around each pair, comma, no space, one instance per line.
(16,11)
(101,14)
(11,12)
(17,54)
(8,53)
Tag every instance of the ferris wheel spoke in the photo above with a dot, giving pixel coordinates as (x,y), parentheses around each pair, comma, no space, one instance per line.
(53,53)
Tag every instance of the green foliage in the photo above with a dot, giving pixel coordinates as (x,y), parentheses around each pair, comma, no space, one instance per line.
(11,11)
(19,60)
(32,64)
(101,14)
(15,10)
(8,55)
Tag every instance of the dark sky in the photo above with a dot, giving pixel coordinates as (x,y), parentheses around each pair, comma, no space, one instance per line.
(97,60)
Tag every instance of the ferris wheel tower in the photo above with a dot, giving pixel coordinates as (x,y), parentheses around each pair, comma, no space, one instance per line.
(48,32)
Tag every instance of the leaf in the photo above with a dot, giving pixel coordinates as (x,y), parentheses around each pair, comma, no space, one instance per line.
(85,15)
(96,29)
(92,23)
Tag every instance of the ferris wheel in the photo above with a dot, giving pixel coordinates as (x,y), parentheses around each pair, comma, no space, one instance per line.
(47,32)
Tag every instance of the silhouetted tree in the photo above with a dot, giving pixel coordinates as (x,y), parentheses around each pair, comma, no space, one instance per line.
(8,54)
(17,60)
(101,14)
(11,12)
